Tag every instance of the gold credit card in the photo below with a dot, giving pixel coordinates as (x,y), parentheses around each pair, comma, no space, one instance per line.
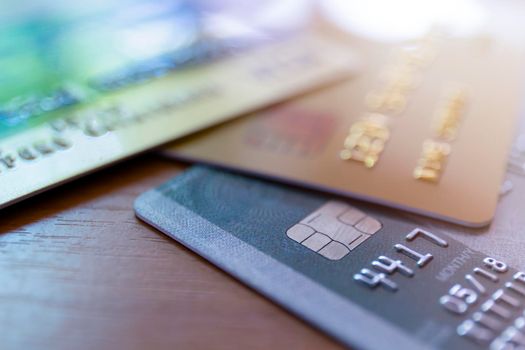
(87,136)
(424,126)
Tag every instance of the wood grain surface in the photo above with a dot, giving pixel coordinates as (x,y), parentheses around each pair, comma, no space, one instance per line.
(78,270)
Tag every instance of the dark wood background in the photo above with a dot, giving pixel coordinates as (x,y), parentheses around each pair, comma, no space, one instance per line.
(78,270)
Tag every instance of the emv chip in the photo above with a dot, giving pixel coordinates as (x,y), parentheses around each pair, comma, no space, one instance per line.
(334,230)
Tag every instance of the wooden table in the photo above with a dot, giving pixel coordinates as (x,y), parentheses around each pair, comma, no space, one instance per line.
(79,271)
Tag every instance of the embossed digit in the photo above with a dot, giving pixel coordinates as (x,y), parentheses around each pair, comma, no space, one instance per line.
(519,276)
(453,304)
(458,299)
(465,294)
(496,265)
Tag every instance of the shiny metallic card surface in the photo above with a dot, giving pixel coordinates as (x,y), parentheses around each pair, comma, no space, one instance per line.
(355,270)
(121,124)
(425,126)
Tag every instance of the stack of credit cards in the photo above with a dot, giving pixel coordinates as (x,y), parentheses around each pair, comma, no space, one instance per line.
(364,161)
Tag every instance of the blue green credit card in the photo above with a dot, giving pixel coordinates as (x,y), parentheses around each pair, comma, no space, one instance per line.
(87,84)
(372,277)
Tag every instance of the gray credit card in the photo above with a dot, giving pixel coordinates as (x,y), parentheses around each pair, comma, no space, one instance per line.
(369,276)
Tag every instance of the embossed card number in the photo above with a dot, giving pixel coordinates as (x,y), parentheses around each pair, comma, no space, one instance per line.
(386,266)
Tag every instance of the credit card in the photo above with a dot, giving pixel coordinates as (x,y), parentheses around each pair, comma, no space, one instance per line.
(367,275)
(84,86)
(410,131)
